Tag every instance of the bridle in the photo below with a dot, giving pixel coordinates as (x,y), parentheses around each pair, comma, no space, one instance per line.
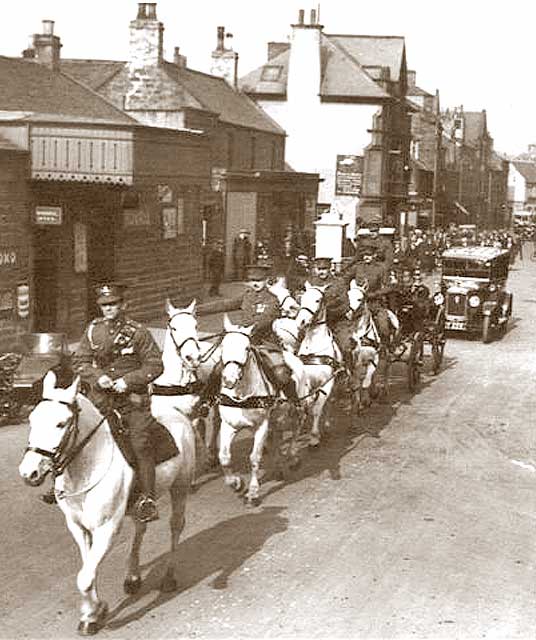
(178,347)
(315,313)
(239,364)
(67,449)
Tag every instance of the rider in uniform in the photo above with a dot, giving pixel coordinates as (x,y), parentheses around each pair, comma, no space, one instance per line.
(337,304)
(259,307)
(117,358)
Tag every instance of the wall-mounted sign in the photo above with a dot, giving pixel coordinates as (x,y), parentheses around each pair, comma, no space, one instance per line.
(165,194)
(80,247)
(349,175)
(48,216)
(136,218)
(7,300)
(169,223)
(8,257)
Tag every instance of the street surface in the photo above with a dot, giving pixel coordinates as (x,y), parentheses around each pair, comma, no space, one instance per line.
(416,520)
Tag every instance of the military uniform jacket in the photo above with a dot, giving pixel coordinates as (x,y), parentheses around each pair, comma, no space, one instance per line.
(259,308)
(374,274)
(336,298)
(121,348)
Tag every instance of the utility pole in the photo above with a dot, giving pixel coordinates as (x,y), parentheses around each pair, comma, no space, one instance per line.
(437,158)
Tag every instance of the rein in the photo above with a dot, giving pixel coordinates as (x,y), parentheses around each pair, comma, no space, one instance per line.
(58,464)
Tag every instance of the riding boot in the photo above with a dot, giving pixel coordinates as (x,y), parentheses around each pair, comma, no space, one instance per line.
(209,392)
(146,510)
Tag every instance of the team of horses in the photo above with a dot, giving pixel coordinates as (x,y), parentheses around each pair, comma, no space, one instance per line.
(70,439)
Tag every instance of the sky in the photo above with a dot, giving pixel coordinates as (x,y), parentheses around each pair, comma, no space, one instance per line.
(477,53)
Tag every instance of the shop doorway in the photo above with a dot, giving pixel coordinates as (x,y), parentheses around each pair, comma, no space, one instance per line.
(101,256)
(45,278)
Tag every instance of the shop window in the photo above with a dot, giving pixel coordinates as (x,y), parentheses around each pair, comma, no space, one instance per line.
(173,223)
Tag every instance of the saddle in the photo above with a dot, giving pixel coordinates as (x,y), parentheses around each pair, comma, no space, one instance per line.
(163,444)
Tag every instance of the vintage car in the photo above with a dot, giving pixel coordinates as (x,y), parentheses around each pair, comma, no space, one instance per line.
(473,281)
(40,352)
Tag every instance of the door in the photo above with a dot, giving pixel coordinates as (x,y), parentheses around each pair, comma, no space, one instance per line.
(45,280)
(101,256)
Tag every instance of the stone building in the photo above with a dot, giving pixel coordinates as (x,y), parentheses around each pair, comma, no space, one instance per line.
(251,186)
(341,100)
(522,184)
(87,193)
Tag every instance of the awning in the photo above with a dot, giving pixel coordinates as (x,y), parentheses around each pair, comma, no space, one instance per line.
(462,209)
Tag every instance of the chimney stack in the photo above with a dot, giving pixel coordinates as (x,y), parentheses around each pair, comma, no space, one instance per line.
(313,17)
(301,16)
(224,61)
(146,37)
(46,47)
(178,59)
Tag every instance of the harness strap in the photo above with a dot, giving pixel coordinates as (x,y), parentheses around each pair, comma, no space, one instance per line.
(312,358)
(253,402)
(74,452)
(192,388)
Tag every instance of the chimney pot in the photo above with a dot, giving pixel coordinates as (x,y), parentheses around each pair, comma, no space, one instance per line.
(151,10)
(301,16)
(48,27)
(141,11)
(220,46)
(313,16)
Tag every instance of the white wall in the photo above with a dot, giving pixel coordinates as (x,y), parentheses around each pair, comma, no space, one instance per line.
(317,134)
(517,182)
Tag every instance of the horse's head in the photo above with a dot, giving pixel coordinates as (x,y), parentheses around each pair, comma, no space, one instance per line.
(356,298)
(182,326)
(53,425)
(235,348)
(288,305)
(312,305)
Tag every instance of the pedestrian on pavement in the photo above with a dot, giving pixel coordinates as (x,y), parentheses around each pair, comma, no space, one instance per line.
(242,254)
(216,266)
(116,359)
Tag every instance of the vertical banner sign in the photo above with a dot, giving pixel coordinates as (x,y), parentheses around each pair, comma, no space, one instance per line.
(349,175)
(80,247)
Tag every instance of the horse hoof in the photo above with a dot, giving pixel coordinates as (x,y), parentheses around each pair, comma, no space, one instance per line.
(168,585)
(252,502)
(132,585)
(314,443)
(88,628)
(295,463)
(237,485)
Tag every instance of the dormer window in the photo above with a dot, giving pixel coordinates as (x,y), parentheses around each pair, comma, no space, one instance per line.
(271,72)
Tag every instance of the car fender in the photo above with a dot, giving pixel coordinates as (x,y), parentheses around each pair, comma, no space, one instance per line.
(488,307)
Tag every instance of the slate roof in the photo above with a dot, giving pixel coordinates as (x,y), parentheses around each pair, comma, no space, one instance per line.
(527,170)
(194,89)
(348,64)
(35,89)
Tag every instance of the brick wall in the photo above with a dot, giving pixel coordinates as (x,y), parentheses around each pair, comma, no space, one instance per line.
(14,250)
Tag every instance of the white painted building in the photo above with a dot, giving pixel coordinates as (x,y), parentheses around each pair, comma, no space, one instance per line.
(341,100)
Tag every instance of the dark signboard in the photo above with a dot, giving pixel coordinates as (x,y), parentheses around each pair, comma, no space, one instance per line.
(349,175)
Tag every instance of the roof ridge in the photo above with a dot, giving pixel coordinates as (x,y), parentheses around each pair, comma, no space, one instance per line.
(356,35)
(93,60)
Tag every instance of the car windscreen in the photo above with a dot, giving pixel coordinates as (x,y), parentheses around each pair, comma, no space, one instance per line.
(464,268)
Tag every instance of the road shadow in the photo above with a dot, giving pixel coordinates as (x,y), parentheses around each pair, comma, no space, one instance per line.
(219,551)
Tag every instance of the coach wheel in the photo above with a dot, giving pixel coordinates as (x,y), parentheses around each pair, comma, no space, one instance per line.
(438,348)
(414,372)
(487,330)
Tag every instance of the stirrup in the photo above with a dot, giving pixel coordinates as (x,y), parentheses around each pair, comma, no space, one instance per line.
(49,497)
(145,509)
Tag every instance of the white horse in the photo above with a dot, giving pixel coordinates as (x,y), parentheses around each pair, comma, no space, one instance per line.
(70,438)
(319,353)
(288,305)
(368,352)
(246,399)
(187,362)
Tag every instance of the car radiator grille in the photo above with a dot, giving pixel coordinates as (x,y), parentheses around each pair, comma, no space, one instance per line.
(456,304)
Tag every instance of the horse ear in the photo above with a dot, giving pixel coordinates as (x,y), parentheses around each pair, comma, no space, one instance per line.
(170,309)
(249,330)
(227,324)
(307,285)
(192,307)
(49,383)
(353,284)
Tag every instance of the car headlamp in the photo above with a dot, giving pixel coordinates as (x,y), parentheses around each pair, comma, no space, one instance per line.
(474,301)
(492,288)
(439,298)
